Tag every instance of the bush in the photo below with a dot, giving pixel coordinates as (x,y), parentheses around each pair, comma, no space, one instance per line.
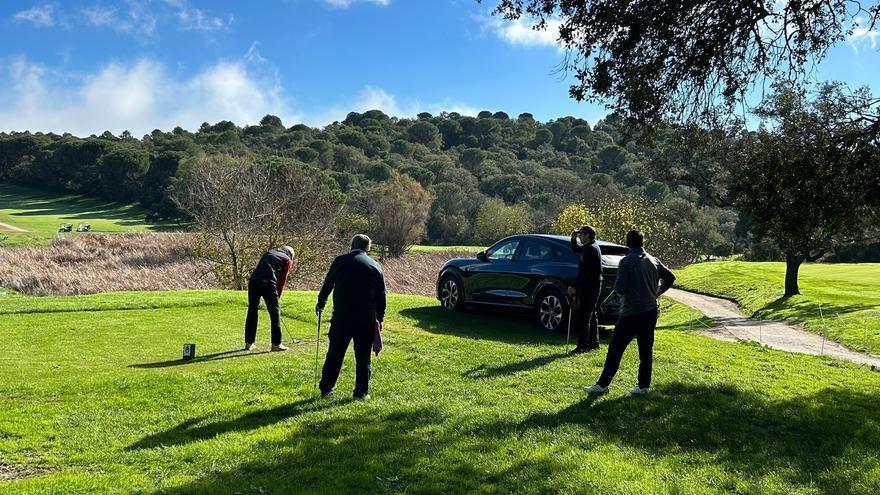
(614,217)
(496,220)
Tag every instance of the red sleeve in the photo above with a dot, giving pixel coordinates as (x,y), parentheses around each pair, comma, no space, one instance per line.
(282,278)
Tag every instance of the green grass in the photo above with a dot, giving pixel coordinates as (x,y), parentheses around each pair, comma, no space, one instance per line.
(848,295)
(40,213)
(94,399)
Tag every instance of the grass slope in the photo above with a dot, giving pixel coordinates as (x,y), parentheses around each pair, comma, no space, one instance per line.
(848,295)
(40,213)
(93,399)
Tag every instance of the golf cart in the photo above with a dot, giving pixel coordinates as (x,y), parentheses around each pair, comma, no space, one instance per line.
(65,227)
(84,227)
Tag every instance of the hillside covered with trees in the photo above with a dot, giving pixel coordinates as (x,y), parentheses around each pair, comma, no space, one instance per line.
(520,172)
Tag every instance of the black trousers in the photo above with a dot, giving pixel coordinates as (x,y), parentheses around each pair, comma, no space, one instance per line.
(341,334)
(639,327)
(266,290)
(586,317)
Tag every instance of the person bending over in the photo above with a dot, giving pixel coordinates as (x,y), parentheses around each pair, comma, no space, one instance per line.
(267,282)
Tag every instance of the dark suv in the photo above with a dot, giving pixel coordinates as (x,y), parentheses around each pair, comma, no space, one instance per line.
(526,272)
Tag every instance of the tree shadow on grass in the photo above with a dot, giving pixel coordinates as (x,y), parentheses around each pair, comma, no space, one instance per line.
(826,441)
(405,451)
(743,431)
(237,353)
(481,325)
(195,429)
(801,308)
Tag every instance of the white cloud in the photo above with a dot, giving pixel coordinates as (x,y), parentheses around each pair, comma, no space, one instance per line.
(134,19)
(347,3)
(139,97)
(862,35)
(375,98)
(142,19)
(196,20)
(521,32)
(39,16)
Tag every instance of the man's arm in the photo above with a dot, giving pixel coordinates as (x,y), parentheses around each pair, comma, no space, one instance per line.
(380,295)
(622,279)
(329,282)
(574,245)
(666,278)
(282,278)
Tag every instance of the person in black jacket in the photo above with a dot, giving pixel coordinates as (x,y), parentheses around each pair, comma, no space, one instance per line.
(586,288)
(358,286)
(267,281)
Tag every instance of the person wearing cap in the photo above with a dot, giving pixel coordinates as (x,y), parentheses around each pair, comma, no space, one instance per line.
(358,286)
(586,288)
(267,282)
(641,279)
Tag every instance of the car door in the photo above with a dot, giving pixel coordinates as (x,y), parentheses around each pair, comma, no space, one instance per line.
(489,281)
(535,262)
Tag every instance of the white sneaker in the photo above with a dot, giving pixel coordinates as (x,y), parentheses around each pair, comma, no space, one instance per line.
(279,348)
(250,347)
(596,389)
(638,391)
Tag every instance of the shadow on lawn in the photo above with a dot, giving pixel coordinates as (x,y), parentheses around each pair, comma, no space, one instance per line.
(192,430)
(199,359)
(826,441)
(801,308)
(483,325)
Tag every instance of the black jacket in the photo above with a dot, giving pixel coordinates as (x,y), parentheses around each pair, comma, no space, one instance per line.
(358,286)
(273,268)
(589,266)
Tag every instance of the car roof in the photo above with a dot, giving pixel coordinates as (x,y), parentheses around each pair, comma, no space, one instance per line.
(566,239)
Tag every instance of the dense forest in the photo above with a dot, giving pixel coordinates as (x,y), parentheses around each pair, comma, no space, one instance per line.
(536,169)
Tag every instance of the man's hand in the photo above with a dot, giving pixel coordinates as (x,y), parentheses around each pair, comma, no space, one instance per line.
(318,309)
(571,291)
(377,338)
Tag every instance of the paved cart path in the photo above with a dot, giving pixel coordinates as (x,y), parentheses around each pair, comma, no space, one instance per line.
(734,326)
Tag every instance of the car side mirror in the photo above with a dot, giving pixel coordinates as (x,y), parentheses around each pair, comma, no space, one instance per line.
(482,256)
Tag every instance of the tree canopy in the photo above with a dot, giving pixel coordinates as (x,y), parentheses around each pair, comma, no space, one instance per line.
(656,59)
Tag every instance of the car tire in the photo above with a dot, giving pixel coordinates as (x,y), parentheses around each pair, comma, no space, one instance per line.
(451,293)
(552,311)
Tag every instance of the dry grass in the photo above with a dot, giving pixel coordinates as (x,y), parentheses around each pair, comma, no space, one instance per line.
(88,264)
(417,273)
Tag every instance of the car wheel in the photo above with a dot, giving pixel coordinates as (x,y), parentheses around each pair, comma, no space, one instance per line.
(552,311)
(451,295)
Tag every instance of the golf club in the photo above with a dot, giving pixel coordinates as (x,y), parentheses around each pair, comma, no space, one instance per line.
(568,332)
(317,345)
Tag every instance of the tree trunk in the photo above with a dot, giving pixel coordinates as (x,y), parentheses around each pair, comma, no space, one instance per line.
(792,265)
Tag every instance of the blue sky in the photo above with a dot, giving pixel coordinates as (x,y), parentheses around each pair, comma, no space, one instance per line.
(86,66)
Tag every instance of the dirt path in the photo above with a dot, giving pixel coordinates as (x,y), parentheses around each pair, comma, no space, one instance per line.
(10,229)
(733,326)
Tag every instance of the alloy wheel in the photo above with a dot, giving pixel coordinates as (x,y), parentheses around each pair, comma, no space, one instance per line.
(550,312)
(449,294)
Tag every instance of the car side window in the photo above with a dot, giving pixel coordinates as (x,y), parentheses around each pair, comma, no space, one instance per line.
(503,251)
(536,251)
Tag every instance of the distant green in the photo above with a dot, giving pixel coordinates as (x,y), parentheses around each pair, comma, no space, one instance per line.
(95,399)
(41,213)
(841,301)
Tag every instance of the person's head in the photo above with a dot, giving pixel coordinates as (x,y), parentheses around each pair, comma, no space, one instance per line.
(288,250)
(362,242)
(635,239)
(586,234)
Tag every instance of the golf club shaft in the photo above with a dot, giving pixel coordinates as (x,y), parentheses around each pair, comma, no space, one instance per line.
(317,346)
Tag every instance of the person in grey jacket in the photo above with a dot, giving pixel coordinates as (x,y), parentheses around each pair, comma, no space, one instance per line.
(358,286)
(641,279)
